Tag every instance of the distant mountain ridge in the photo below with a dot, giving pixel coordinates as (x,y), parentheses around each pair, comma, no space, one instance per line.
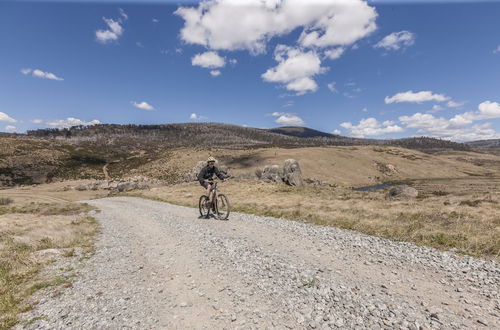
(223,136)
(485,143)
(303,132)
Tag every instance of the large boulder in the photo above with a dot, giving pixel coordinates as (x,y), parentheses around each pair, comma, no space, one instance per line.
(292,175)
(271,173)
(402,192)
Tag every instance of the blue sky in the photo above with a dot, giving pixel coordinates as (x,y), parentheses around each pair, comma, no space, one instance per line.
(379,69)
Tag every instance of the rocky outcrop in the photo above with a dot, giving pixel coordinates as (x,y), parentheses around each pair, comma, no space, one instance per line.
(272,173)
(128,184)
(292,175)
(402,192)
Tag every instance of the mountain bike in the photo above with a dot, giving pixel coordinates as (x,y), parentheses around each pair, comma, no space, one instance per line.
(219,204)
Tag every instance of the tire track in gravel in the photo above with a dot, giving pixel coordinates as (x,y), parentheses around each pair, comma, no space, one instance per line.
(158,266)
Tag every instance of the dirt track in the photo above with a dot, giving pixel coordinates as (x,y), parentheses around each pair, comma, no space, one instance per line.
(159,266)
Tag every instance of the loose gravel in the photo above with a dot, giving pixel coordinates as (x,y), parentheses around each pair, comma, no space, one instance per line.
(159,266)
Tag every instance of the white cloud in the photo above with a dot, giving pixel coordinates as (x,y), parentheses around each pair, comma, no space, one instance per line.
(364,110)
(295,69)
(233,61)
(486,110)
(417,97)
(123,14)
(139,44)
(371,127)
(331,87)
(334,53)
(37,121)
(69,122)
(155,20)
(336,132)
(194,116)
(454,104)
(142,105)
(114,30)
(456,128)
(41,74)
(209,60)
(497,50)
(10,128)
(215,73)
(6,118)
(249,24)
(288,119)
(397,41)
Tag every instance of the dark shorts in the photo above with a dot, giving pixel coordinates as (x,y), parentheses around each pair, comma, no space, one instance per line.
(204,184)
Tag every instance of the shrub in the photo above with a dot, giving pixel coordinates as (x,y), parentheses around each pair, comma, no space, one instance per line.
(6,201)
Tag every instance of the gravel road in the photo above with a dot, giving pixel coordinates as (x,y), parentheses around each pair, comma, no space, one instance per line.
(159,266)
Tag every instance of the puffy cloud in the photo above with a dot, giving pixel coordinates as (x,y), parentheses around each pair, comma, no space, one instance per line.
(194,116)
(454,104)
(397,41)
(37,121)
(288,119)
(155,20)
(455,129)
(331,87)
(142,105)
(10,128)
(209,60)
(249,24)
(334,53)
(371,127)
(215,73)
(41,74)
(69,122)
(114,30)
(295,69)
(6,118)
(336,132)
(486,110)
(417,97)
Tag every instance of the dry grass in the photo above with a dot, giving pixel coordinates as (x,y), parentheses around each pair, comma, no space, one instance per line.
(344,166)
(459,219)
(26,232)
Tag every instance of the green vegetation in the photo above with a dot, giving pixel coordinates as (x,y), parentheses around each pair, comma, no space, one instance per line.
(21,237)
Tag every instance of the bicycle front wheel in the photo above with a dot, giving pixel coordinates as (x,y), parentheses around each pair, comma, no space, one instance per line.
(204,206)
(223,207)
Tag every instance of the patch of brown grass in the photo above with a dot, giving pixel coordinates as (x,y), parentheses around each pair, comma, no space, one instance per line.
(25,232)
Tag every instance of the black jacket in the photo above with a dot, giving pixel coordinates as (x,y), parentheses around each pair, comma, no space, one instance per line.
(207,173)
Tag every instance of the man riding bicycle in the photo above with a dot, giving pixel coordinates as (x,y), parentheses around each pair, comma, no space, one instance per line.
(206,174)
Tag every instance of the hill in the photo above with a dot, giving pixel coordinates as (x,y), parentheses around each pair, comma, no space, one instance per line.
(222,136)
(302,132)
(485,143)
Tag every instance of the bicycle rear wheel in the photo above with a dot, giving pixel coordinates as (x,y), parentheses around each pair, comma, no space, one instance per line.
(223,207)
(203,206)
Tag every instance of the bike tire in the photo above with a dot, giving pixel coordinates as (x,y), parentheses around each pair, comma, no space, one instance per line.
(202,205)
(223,207)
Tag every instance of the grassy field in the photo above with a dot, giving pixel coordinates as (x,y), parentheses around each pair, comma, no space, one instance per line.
(462,215)
(28,230)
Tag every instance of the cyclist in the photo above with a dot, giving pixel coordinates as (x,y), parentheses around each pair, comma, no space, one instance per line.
(206,175)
